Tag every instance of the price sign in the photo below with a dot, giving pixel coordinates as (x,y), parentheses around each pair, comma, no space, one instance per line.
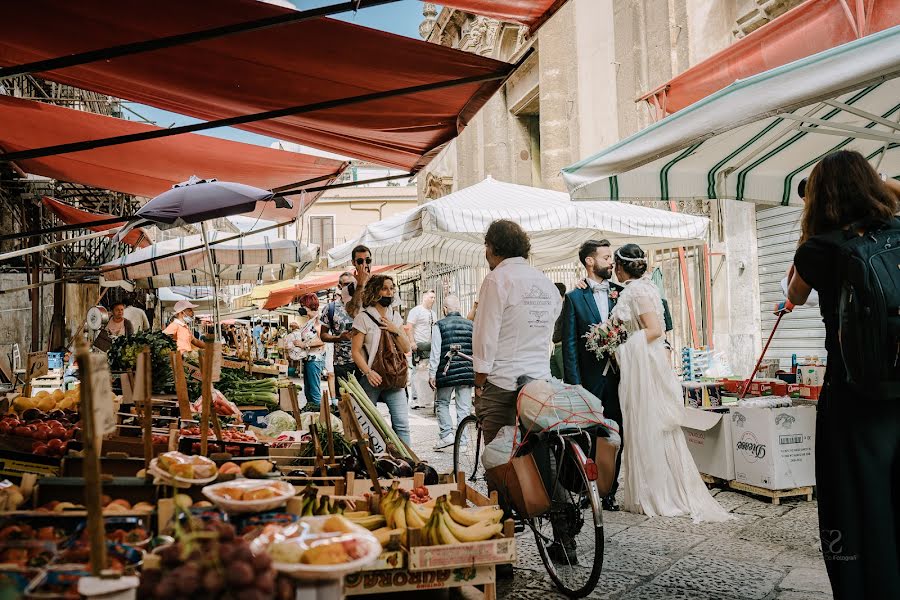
(101,388)
(37,365)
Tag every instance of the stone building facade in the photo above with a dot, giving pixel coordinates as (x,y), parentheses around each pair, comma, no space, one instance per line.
(575,94)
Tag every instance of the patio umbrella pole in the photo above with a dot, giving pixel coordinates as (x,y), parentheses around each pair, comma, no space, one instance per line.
(215,277)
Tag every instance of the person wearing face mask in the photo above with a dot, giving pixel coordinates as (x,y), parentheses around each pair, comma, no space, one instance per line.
(337,327)
(311,349)
(583,308)
(377,319)
(180,327)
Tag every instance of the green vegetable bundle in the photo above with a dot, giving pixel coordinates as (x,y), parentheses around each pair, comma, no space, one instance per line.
(244,390)
(351,386)
(124,351)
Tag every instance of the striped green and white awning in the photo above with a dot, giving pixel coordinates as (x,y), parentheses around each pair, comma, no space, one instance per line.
(256,258)
(757,138)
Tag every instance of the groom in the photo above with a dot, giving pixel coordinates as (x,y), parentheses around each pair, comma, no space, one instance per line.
(583,308)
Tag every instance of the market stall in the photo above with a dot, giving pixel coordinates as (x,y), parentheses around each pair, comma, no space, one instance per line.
(451,229)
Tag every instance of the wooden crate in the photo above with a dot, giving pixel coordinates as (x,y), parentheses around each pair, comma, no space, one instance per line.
(774,495)
(401,580)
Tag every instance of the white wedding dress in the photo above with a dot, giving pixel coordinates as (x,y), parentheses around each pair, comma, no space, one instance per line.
(660,477)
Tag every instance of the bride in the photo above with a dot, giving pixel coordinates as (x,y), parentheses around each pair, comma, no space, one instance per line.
(660,477)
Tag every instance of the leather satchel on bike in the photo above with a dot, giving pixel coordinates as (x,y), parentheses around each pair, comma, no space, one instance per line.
(605,458)
(521,483)
(390,362)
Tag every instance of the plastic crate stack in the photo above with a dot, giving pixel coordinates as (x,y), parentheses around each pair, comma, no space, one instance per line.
(694,363)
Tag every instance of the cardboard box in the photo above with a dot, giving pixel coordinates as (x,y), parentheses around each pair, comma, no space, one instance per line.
(811,375)
(810,392)
(708,436)
(774,448)
(470,554)
(399,580)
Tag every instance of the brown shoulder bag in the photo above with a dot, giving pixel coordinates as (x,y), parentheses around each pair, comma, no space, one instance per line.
(390,362)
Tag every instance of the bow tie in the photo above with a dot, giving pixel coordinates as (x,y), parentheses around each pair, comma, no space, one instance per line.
(603,287)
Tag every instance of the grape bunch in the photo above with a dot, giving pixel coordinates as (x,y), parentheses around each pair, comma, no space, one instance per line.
(214,564)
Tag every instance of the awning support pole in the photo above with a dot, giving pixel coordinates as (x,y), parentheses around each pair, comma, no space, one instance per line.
(686,283)
(251,118)
(707,278)
(40,232)
(335,186)
(62,62)
(215,282)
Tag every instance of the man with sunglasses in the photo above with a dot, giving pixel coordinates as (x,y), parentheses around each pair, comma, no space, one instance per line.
(337,327)
(361,258)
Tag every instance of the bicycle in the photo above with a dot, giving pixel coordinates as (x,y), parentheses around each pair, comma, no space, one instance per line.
(569,535)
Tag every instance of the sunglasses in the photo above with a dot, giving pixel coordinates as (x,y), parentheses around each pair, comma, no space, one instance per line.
(360,261)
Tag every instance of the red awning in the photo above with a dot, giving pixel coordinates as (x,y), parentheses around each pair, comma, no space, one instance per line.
(319,60)
(527,12)
(74,216)
(812,27)
(280,298)
(145,168)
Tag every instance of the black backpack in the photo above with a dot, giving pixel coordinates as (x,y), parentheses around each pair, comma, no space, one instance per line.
(869,307)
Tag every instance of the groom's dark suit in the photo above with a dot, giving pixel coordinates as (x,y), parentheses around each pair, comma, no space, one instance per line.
(582,366)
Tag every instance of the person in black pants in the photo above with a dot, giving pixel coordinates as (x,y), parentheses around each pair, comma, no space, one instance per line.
(582,308)
(857,428)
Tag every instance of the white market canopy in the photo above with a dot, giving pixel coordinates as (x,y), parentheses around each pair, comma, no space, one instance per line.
(451,229)
(757,138)
(182,261)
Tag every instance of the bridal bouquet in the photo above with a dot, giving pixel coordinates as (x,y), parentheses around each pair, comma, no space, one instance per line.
(603,339)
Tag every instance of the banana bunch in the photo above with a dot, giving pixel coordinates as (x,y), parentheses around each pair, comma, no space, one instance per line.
(313,505)
(443,528)
(444,523)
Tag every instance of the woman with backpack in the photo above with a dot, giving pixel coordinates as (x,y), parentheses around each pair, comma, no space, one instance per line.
(849,216)
(379,346)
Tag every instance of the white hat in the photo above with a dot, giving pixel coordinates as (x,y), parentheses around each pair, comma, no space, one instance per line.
(183,305)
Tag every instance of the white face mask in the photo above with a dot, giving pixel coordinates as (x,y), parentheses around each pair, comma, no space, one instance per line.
(188,319)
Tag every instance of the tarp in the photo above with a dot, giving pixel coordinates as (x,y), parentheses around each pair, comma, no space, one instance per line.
(451,229)
(150,167)
(70,215)
(254,258)
(301,63)
(312,285)
(756,139)
(812,27)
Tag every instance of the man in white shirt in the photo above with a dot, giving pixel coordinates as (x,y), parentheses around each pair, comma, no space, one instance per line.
(137,317)
(517,308)
(419,323)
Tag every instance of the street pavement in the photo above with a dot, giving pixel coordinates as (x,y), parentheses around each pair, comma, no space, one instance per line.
(766,553)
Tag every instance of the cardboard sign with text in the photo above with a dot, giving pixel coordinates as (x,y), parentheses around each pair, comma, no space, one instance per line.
(104,404)
(378,445)
(37,365)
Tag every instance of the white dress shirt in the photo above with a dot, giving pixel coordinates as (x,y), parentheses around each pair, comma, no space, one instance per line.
(601,297)
(517,307)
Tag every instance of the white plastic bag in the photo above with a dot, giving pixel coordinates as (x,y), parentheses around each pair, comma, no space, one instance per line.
(500,450)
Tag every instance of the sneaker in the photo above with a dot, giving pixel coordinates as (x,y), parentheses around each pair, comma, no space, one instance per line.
(446,442)
(561,555)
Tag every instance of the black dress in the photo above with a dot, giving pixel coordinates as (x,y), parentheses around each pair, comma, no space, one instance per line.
(857,457)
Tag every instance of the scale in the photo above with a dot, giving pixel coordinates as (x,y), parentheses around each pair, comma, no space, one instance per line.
(96,319)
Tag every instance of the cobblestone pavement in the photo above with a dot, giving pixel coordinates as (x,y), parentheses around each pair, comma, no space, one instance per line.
(766,553)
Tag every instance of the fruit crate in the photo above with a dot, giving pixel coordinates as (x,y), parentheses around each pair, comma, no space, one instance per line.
(189,445)
(467,555)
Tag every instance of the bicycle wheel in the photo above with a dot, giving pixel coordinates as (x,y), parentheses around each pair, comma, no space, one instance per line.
(468,448)
(569,536)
